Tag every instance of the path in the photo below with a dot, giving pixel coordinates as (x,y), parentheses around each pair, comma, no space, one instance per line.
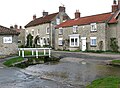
(84,55)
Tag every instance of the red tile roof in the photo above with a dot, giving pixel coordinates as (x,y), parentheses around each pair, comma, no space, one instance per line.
(7,31)
(99,18)
(41,20)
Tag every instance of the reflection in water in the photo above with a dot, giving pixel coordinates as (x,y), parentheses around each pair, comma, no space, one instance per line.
(73,71)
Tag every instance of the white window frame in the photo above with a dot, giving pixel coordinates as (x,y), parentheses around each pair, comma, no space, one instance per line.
(38,31)
(74,44)
(57,21)
(60,31)
(7,39)
(75,28)
(60,41)
(47,30)
(91,41)
(32,32)
(93,27)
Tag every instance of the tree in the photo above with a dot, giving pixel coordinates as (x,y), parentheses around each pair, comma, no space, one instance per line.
(29,40)
(35,40)
(113,44)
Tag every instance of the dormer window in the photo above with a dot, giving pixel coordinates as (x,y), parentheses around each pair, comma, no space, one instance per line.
(75,28)
(60,31)
(47,30)
(93,27)
(57,21)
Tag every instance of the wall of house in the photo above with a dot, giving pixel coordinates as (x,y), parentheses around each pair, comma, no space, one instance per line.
(113,31)
(84,31)
(21,37)
(39,30)
(10,48)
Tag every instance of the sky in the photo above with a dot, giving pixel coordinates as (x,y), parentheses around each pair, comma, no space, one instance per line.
(21,12)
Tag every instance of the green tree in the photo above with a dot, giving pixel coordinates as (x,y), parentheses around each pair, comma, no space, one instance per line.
(35,40)
(29,40)
(113,44)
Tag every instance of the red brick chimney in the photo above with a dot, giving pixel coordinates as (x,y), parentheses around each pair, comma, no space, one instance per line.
(77,14)
(114,6)
(45,13)
(34,17)
(119,4)
(61,8)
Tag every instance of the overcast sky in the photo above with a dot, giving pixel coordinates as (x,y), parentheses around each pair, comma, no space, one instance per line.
(20,12)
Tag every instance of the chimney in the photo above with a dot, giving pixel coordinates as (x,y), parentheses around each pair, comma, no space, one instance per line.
(34,17)
(61,9)
(20,27)
(77,14)
(16,26)
(11,27)
(45,13)
(119,4)
(114,6)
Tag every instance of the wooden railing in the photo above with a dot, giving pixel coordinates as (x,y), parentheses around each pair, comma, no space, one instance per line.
(34,50)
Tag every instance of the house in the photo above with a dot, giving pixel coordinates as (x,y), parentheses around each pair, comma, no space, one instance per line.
(43,28)
(21,36)
(91,32)
(8,41)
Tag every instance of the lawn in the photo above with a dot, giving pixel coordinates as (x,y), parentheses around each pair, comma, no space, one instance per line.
(116,61)
(12,61)
(107,82)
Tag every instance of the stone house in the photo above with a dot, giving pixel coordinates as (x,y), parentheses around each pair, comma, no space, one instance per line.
(8,41)
(43,28)
(90,32)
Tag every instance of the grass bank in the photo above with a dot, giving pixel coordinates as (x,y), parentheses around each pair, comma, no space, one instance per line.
(107,82)
(11,61)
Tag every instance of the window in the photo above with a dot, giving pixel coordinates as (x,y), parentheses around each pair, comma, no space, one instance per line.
(60,31)
(75,29)
(74,41)
(60,41)
(38,32)
(7,39)
(47,41)
(47,30)
(32,31)
(19,41)
(57,21)
(93,27)
(93,41)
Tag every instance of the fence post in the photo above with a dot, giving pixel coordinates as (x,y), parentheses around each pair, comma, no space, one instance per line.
(36,53)
(44,51)
(23,53)
(19,52)
(49,53)
(32,52)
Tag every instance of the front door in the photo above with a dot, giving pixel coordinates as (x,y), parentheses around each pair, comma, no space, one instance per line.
(83,43)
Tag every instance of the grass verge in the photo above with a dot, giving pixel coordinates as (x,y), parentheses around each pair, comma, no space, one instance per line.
(12,61)
(107,82)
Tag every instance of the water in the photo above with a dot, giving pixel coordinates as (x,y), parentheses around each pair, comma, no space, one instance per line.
(73,71)
(67,73)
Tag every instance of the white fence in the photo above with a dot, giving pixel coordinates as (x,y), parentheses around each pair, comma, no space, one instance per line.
(34,50)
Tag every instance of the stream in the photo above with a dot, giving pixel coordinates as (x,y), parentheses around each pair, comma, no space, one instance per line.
(67,73)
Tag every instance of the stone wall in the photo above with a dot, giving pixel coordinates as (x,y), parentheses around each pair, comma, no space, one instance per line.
(10,48)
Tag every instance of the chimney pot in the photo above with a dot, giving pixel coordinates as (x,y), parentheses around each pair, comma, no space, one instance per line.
(16,26)
(45,13)
(119,4)
(34,17)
